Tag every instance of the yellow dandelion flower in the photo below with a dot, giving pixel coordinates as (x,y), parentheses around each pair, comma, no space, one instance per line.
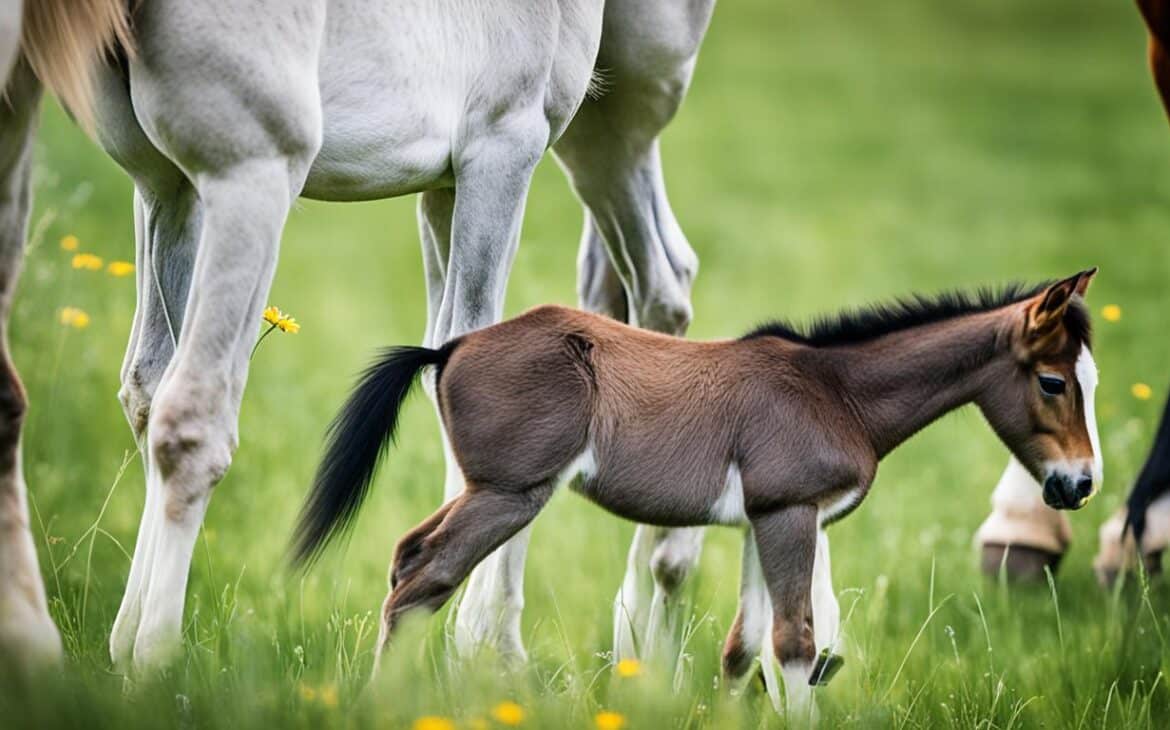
(281,320)
(276,319)
(328,695)
(74,317)
(289,325)
(433,722)
(475,723)
(70,243)
(1141,391)
(87,261)
(508,713)
(1111,313)
(307,692)
(120,268)
(628,668)
(609,720)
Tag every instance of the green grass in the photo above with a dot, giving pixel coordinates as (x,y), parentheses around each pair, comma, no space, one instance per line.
(830,153)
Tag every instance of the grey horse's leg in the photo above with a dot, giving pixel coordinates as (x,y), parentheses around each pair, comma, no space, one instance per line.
(635,263)
(27,634)
(166,234)
(245,181)
(167,229)
(469,240)
(11,13)
(1022,536)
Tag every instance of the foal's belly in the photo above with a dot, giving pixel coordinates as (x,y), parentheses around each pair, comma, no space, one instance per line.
(658,496)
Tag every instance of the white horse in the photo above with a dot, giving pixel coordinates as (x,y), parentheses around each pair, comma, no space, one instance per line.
(222,118)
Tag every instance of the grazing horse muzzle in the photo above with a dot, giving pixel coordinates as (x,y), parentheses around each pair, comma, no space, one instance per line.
(1065,490)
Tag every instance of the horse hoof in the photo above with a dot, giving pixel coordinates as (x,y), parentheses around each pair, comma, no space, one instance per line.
(1107,575)
(1018,562)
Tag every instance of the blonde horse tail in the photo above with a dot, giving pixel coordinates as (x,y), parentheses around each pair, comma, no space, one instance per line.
(64,40)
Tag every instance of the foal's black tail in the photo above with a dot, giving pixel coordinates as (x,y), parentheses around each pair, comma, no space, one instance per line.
(355,443)
(1152,482)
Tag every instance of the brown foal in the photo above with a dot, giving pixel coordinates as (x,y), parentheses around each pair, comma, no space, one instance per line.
(780,431)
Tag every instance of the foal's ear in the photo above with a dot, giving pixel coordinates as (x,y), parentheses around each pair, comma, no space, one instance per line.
(1046,312)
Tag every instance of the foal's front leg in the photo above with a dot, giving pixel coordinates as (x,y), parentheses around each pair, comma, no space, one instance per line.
(787,543)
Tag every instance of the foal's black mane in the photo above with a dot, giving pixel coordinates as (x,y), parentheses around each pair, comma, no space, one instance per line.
(854,326)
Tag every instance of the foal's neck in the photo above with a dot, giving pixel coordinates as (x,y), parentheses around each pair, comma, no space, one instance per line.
(903,381)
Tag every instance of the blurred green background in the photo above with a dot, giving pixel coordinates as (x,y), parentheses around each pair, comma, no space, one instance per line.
(829,154)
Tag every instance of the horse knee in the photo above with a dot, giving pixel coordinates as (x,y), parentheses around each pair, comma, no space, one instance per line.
(666,312)
(191,449)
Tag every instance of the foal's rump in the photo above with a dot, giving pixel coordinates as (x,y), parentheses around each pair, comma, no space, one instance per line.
(517,399)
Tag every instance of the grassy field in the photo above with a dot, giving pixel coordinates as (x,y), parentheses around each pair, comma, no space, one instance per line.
(830,153)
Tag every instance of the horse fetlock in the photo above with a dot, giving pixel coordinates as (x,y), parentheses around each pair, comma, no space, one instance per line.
(739,653)
(671,566)
(28,636)
(671,314)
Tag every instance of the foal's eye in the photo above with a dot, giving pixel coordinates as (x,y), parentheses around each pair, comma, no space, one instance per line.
(1051,384)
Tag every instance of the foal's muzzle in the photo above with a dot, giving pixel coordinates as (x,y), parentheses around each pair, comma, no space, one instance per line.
(1068,491)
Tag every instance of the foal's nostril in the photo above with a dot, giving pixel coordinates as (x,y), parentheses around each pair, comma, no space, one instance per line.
(1084,486)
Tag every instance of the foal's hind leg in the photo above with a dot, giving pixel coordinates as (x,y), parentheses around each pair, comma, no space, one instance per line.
(1022,536)
(435,557)
(27,634)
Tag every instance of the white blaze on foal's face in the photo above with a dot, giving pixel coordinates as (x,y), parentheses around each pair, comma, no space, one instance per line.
(1072,475)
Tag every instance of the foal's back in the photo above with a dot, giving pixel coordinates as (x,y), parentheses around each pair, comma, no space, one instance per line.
(662,425)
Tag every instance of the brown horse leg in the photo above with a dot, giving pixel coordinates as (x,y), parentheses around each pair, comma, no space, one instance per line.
(435,557)
(787,543)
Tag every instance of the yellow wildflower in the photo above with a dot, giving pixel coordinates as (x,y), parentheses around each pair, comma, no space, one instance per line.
(328,695)
(433,722)
(120,268)
(281,320)
(74,317)
(477,723)
(609,720)
(1141,391)
(87,261)
(1111,313)
(307,692)
(508,713)
(629,668)
(70,243)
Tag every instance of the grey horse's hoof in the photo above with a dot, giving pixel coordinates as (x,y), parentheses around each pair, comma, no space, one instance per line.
(1022,563)
(1107,575)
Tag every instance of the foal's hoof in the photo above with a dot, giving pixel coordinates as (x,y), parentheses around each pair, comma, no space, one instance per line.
(1018,562)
